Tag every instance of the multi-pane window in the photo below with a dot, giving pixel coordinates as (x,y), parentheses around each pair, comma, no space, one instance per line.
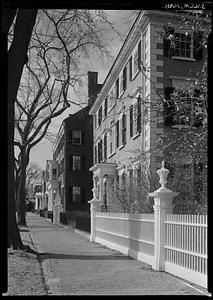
(105,146)
(105,107)
(99,116)
(76,194)
(111,99)
(123,129)
(117,88)
(76,163)
(100,155)
(112,140)
(76,137)
(123,81)
(139,114)
(136,60)
(183,108)
(96,155)
(131,121)
(54,173)
(117,134)
(183,45)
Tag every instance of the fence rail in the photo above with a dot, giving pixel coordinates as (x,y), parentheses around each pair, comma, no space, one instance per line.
(186,247)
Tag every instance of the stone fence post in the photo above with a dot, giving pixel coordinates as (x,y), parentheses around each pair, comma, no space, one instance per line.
(162,206)
(95,205)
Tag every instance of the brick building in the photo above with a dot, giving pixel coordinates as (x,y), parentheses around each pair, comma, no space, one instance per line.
(73,152)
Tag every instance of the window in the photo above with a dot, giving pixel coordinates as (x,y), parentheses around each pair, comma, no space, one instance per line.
(76,163)
(131,120)
(123,81)
(99,116)
(105,107)
(123,129)
(111,99)
(95,158)
(183,45)
(76,137)
(54,173)
(139,115)
(76,194)
(117,134)
(125,78)
(183,108)
(121,84)
(105,147)
(136,60)
(100,157)
(95,120)
(136,118)
(117,88)
(112,140)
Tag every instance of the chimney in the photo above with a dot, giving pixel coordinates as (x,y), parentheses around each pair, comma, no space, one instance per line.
(92,87)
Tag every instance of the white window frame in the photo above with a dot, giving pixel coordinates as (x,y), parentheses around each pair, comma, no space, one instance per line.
(78,161)
(111,141)
(73,194)
(191,50)
(135,51)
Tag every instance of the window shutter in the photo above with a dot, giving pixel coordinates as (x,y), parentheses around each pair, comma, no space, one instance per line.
(130,68)
(197,45)
(139,56)
(169,109)
(167,47)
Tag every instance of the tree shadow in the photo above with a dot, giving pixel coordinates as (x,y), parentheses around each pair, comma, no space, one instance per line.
(44,256)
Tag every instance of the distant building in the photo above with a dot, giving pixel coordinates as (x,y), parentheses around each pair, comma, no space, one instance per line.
(38,197)
(73,152)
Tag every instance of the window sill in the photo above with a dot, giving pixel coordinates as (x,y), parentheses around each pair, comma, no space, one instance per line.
(183,58)
(183,126)
(113,153)
(135,136)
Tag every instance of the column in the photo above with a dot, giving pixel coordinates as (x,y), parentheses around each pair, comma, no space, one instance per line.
(162,206)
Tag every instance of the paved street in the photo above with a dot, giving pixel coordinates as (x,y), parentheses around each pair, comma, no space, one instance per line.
(74,266)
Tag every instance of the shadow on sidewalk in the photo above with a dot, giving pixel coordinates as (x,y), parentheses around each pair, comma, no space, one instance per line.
(83,257)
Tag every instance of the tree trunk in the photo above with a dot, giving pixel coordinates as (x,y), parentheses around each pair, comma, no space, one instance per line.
(16,57)
(22,191)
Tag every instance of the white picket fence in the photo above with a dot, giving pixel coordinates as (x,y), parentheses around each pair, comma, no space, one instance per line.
(186,247)
(133,234)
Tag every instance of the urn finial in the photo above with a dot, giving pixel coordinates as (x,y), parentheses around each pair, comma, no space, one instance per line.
(163,173)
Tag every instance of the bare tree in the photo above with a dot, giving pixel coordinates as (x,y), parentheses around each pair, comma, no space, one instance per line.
(23,24)
(61,41)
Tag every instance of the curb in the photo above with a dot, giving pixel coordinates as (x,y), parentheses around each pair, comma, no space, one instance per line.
(46,268)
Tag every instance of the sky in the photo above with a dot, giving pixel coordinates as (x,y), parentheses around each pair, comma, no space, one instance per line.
(122,20)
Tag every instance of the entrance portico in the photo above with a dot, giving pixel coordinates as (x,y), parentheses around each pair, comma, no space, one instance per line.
(103,176)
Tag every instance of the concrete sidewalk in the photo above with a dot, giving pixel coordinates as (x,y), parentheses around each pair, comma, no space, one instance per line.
(73,265)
